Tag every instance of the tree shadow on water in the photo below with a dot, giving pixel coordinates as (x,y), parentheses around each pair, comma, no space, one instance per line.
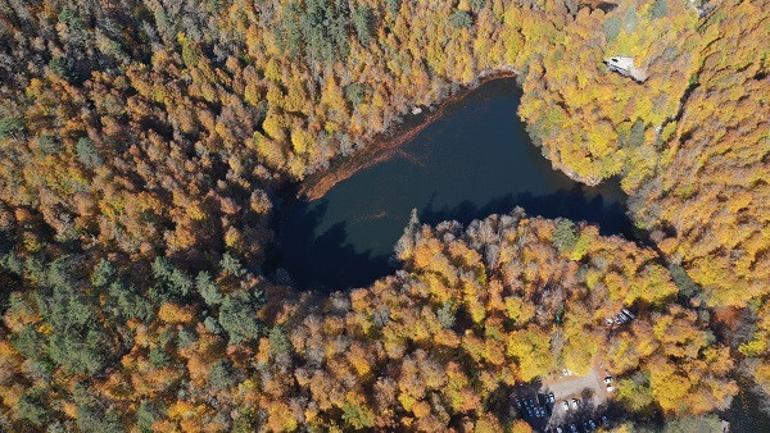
(325,261)
(574,204)
(329,261)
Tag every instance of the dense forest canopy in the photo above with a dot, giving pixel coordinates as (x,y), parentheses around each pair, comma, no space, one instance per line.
(145,143)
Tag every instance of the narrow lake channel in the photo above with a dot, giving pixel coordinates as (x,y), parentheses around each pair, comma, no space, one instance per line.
(475,160)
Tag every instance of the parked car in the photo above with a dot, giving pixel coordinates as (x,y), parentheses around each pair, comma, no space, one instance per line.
(551,398)
(574,404)
(608,380)
(610,389)
(628,313)
(565,405)
(605,420)
(573,428)
(592,424)
(559,430)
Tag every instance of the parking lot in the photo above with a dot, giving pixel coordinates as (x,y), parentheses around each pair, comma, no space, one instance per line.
(567,403)
(540,410)
(573,386)
(536,409)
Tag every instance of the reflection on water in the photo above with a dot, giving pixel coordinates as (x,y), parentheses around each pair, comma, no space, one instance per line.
(476,160)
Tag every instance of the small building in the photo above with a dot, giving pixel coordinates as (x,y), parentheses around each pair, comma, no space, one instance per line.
(625,66)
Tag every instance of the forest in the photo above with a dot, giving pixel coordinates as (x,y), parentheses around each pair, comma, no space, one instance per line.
(146,146)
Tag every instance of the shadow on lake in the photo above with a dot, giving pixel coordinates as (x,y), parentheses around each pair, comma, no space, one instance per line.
(573,204)
(329,260)
(477,159)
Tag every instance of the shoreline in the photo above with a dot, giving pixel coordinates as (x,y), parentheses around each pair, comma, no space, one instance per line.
(386,144)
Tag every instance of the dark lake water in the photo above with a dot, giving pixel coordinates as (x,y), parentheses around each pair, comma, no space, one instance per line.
(745,414)
(477,159)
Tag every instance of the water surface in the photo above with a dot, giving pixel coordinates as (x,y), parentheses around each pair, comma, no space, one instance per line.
(745,414)
(477,159)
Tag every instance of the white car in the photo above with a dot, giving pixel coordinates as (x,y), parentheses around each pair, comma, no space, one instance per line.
(610,389)
(573,404)
(565,405)
(608,380)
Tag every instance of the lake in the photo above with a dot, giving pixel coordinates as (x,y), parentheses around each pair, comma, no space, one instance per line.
(475,160)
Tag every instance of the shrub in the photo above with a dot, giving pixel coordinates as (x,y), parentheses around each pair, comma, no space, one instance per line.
(611,27)
(158,358)
(11,127)
(208,289)
(237,315)
(30,408)
(279,342)
(354,94)
(565,237)
(146,415)
(659,9)
(393,6)
(460,19)
(316,28)
(231,265)
(221,375)
(103,273)
(363,21)
(87,153)
(357,416)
